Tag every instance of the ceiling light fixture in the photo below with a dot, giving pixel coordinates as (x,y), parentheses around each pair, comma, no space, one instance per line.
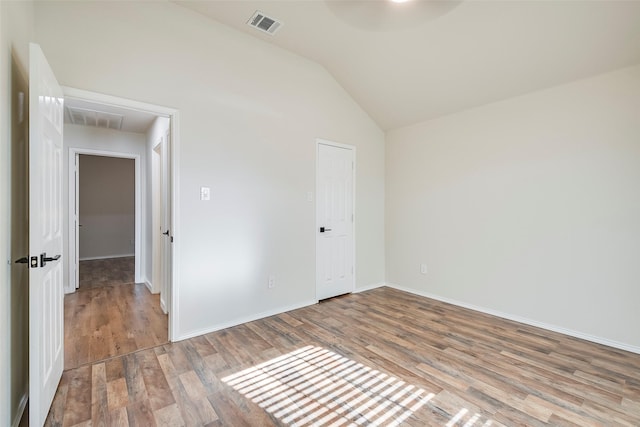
(386,15)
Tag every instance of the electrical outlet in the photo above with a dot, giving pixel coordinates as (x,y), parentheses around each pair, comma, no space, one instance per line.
(272,282)
(423,268)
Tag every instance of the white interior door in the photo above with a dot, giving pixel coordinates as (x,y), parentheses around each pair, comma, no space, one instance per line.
(45,236)
(334,221)
(74,223)
(165,219)
(156,209)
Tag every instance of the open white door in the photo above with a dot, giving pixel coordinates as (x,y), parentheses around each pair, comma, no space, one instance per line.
(334,220)
(46,359)
(165,219)
(73,257)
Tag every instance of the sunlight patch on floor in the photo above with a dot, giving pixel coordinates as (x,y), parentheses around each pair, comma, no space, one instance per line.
(315,386)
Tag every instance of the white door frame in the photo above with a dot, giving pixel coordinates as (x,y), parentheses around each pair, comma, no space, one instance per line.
(319,142)
(174,119)
(74,226)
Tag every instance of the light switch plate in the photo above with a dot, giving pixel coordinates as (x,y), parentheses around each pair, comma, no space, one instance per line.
(205,193)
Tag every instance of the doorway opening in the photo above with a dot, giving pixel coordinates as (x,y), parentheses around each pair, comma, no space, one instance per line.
(105,217)
(119,293)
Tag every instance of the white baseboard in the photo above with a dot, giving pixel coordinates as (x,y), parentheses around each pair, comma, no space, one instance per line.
(92,258)
(163,306)
(524,320)
(242,320)
(369,287)
(149,286)
(20,412)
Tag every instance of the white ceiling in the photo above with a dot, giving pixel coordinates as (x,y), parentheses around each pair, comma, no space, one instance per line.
(478,52)
(133,120)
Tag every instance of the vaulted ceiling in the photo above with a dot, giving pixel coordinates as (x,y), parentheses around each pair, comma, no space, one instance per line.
(405,66)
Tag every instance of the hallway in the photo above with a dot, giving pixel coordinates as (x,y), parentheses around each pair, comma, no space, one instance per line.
(110,315)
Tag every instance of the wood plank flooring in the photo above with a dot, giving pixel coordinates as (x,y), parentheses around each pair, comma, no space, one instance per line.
(108,317)
(97,273)
(382,357)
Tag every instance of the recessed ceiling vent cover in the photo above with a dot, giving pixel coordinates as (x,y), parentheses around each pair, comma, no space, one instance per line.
(99,119)
(263,23)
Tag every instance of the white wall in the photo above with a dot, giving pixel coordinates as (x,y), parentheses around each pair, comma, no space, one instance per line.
(16,30)
(107,207)
(249,116)
(529,207)
(92,138)
(158,130)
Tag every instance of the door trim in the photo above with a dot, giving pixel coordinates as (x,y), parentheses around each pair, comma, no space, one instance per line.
(320,141)
(74,229)
(174,126)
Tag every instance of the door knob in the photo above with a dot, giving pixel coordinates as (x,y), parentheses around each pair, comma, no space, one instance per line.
(44,259)
(166,233)
(23,260)
(323,229)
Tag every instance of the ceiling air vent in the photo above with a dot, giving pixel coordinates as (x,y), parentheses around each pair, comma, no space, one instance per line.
(100,119)
(264,23)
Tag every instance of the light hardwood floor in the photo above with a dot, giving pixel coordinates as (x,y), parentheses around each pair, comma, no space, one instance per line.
(109,315)
(379,356)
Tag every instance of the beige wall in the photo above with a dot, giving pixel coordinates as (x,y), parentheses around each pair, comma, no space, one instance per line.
(107,207)
(16,30)
(249,116)
(528,207)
